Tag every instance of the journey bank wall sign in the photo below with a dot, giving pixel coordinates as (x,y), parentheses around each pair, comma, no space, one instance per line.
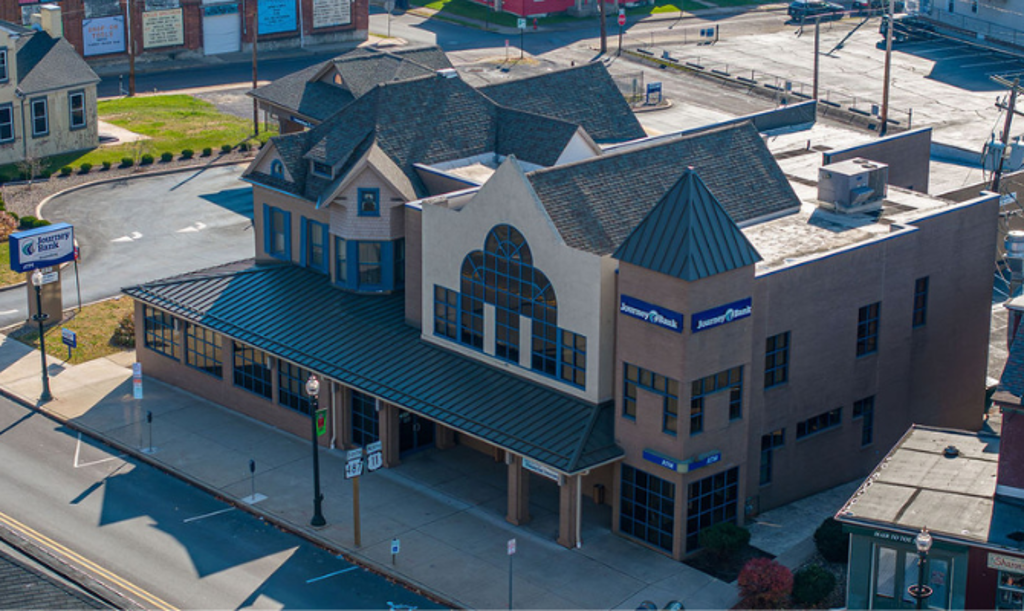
(720,315)
(662,317)
(42,247)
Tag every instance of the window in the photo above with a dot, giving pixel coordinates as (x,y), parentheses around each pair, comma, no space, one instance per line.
(291,388)
(6,123)
(76,108)
(4,76)
(731,379)
(370,270)
(399,262)
(885,577)
(821,422)
(769,443)
(252,370)
(323,169)
(315,251)
(341,260)
(711,501)
(776,360)
(446,312)
(667,388)
(162,332)
(865,410)
(921,301)
(867,329)
(40,120)
(365,421)
(950,6)
(574,359)
(277,169)
(369,202)
(647,508)
(277,238)
(203,350)
(1010,591)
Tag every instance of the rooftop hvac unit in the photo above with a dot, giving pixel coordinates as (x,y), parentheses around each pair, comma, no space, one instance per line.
(854,185)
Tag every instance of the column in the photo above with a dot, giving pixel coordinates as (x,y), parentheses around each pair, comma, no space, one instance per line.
(343,416)
(444,437)
(569,511)
(388,419)
(518,491)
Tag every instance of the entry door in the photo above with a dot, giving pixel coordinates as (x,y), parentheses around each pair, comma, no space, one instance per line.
(895,570)
(414,433)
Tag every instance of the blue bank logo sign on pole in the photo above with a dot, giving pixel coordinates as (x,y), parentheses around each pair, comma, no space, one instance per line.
(721,315)
(656,315)
(42,247)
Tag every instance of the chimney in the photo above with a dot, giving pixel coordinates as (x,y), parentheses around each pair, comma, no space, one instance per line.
(49,19)
(1010,478)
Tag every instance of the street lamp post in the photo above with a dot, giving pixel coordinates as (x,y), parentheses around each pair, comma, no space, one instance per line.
(921,591)
(40,316)
(313,390)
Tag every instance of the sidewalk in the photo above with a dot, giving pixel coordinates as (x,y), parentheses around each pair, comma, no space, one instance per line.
(443,506)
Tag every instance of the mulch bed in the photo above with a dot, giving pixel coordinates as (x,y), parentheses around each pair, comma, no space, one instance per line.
(726,570)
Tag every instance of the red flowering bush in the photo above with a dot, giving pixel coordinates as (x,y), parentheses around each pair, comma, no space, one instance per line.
(765,584)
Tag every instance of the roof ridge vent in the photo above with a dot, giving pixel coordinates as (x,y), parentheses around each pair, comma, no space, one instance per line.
(951,451)
(448,73)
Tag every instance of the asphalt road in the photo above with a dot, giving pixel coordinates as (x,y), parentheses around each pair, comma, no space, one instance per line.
(143,229)
(158,540)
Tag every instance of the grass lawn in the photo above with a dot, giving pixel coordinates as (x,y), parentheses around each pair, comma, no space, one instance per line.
(94,326)
(7,277)
(173,122)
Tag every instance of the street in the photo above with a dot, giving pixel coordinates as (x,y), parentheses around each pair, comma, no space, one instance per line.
(160,542)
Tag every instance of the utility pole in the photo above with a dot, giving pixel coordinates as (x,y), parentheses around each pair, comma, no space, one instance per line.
(255,81)
(888,68)
(997,175)
(817,54)
(604,29)
(131,51)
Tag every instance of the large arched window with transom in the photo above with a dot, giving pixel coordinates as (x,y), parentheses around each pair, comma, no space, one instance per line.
(503,275)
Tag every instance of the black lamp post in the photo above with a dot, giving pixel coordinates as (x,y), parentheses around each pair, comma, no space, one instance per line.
(921,591)
(313,390)
(40,316)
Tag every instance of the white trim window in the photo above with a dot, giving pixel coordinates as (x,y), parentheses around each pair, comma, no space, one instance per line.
(6,123)
(4,75)
(76,109)
(40,118)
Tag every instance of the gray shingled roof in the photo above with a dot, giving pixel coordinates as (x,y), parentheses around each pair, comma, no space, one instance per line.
(585,95)
(688,235)
(596,203)
(46,63)
(1012,379)
(313,100)
(26,586)
(368,346)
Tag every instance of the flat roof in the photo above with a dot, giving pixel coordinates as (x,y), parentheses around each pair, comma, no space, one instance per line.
(918,485)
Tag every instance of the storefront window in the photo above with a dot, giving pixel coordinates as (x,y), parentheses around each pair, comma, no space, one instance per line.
(885,576)
(896,570)
(1010,594)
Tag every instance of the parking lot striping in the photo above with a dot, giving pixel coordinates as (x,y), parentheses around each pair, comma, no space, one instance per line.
(995,63)
(208,515)
(78,447)
(351,568)
(151,601)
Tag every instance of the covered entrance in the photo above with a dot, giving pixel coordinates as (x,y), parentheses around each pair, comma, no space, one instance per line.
(414,433)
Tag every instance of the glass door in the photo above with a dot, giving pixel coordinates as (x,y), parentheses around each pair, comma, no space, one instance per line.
(895,570)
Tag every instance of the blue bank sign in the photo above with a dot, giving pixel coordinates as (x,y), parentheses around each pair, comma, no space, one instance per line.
(721,315)
(683,466)
(42,247)
(631,306)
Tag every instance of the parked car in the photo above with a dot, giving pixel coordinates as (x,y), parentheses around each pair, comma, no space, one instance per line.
(877,6)
(906,28)
(802,10)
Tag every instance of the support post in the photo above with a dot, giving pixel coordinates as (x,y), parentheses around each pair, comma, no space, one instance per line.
(255,80)
(518,491)
(604,29)
(357,531)
(568,512)
(887,73)
(1005,139)
(817,54)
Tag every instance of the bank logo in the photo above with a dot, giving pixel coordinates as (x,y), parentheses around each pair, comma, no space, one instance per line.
(721,315)
(631,306)
(28,248)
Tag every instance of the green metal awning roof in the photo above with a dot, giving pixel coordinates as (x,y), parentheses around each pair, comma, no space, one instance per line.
(363,341)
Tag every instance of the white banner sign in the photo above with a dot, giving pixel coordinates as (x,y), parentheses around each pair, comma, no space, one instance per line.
(328,13)
(103,35)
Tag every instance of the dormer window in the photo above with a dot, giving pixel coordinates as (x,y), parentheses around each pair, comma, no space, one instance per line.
(369,202)
(277,169)
(323,169)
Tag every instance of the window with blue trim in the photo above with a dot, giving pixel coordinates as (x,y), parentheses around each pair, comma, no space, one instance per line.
(369,202)
(365,419)
(323,169)
(471,320)
(277,232)
(291,388)
(371,264)
(769,443)
(647,507)
(731,379)
(162,332)
(776,360)
(865,411)
(314,236)
(277,168)
(822,422)
(446,312)
(4,75)
(921,301)
(341,261)
(203,350)
(665,387)
(867,328)
(574,359)
(399,256)
(711,501)
(252,370)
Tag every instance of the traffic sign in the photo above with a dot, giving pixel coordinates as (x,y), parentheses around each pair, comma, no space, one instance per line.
(622,16)
(321,422)
(395,546)
(374,461)
(376,446)
(521,23)
(69,338)
(355,454)
(353,468)
(49,278)
(511,547)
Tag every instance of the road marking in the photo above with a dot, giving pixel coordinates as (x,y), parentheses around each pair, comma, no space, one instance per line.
(197,226)
(78,447)
(351,568)
(995,63)
(131,237)
(208,515)
(8,312)
(152,600)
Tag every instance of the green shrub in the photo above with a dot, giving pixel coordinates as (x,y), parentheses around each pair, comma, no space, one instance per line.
(124,333)
(225,149)
(66,171)
(27,222)
(243,147)
(812,584)
(166,157)
(146,159)
(46,174)
(765,584)
(724,539)
(207,152)
(832,543)
(85,168)
(127,162)
(106,165)
(187,154)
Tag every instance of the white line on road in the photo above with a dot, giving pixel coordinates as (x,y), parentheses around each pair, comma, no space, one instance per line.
(995,63)
(208,515)
(352,568)
(78,447)
(197,226)
(8,312)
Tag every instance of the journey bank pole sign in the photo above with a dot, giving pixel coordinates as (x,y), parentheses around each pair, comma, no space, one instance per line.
(42,247)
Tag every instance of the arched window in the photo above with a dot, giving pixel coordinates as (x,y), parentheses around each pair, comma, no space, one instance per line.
(277,168)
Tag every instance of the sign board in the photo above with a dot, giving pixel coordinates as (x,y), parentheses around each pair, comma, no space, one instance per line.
(521,23)
(353,468)
(622,17)
(898,538)
(137,388)
(69,338)
(356,454)
(374,461)
(540,469)
(721,315)
(656,315)
(276,16)
(42,247)
(511,547)
(395,546)
(162,29)
(1006,563)
(654,89)
(328,13)
(376,446)
(321,422)
(683,466)
(103,35)
(137,370)
(49,278)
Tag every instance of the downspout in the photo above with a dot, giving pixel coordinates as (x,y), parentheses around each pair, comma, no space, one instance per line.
(579,511)
(24,140)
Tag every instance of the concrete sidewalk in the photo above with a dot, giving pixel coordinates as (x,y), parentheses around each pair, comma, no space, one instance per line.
(447,508)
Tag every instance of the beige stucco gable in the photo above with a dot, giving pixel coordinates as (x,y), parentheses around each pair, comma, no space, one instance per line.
(581,146)
(384,172)
(265,160)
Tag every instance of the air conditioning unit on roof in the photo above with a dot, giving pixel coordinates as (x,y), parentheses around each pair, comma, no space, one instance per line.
(852,186)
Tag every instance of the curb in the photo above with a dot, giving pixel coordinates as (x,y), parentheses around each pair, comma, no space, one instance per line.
(348,555)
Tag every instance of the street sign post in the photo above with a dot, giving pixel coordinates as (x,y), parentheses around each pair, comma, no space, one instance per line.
(395,546)
(622,22)
(521,22)
(137,381)
(511,554)
(69,338)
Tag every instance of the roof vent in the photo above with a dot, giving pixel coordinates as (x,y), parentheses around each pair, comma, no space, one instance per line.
(951,452)
(448,73)
(853,186)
